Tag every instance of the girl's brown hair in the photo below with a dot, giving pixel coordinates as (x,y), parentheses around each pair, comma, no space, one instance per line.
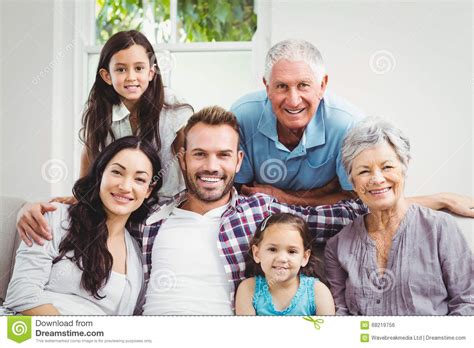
(253,268)
(97,118)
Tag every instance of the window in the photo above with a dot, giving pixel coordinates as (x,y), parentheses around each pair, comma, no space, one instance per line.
(172,21)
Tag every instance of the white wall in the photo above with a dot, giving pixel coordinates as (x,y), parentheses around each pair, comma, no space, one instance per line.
(1,94)
(26,106)
(35,112)
(427,86)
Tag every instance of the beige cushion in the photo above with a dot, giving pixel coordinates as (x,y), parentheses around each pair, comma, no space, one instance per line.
(9,239)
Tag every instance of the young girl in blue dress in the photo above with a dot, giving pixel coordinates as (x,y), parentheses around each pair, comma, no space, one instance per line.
(282,272)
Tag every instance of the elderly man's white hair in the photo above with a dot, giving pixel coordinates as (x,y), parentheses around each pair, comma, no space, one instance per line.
(295,50)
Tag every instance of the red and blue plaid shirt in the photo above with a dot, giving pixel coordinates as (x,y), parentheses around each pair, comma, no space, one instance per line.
(240,221)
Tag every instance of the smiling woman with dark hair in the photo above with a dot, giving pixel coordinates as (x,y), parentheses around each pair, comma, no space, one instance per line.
(92,266)
(400,258)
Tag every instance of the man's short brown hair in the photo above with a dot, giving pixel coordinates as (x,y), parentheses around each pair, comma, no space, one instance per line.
(213,116)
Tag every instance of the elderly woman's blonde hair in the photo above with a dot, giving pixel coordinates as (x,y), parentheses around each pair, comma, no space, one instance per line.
(371,132)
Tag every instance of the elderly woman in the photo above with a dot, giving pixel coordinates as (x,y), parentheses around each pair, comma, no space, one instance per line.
(401,258)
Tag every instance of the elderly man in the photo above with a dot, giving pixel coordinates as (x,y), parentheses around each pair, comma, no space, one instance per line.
(292,133)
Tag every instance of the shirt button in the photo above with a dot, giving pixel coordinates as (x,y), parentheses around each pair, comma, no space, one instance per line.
(378,301)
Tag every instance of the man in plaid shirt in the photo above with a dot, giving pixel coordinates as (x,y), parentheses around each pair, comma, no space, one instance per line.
(209,168)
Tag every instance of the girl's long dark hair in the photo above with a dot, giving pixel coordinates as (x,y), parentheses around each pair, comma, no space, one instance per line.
(252,268)
(87,231)
(97,118)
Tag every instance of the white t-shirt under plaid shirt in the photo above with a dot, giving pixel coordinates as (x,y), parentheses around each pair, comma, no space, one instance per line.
(187,270)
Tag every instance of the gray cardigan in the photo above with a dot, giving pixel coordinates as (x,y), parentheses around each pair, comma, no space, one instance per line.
(36,280)
(429,270)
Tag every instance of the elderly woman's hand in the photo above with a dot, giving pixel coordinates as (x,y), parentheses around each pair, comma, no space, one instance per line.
(458,204)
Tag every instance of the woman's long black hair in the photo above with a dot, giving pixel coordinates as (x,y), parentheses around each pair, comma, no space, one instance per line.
(87,231)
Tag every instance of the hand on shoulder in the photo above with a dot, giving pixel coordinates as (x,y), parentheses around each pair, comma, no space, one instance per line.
(32,225)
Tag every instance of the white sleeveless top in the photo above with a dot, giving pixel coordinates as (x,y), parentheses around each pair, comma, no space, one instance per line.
(171,121)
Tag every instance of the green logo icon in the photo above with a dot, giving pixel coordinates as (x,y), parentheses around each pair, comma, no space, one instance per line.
(364,325)
(316,321)
(19,328)
(364,338)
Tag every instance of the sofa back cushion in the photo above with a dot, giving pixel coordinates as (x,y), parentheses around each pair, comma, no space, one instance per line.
(9,240)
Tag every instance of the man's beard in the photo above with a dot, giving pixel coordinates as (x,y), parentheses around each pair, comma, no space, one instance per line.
(204,195)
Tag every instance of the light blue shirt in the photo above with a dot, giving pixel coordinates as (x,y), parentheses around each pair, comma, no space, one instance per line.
(312,164)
